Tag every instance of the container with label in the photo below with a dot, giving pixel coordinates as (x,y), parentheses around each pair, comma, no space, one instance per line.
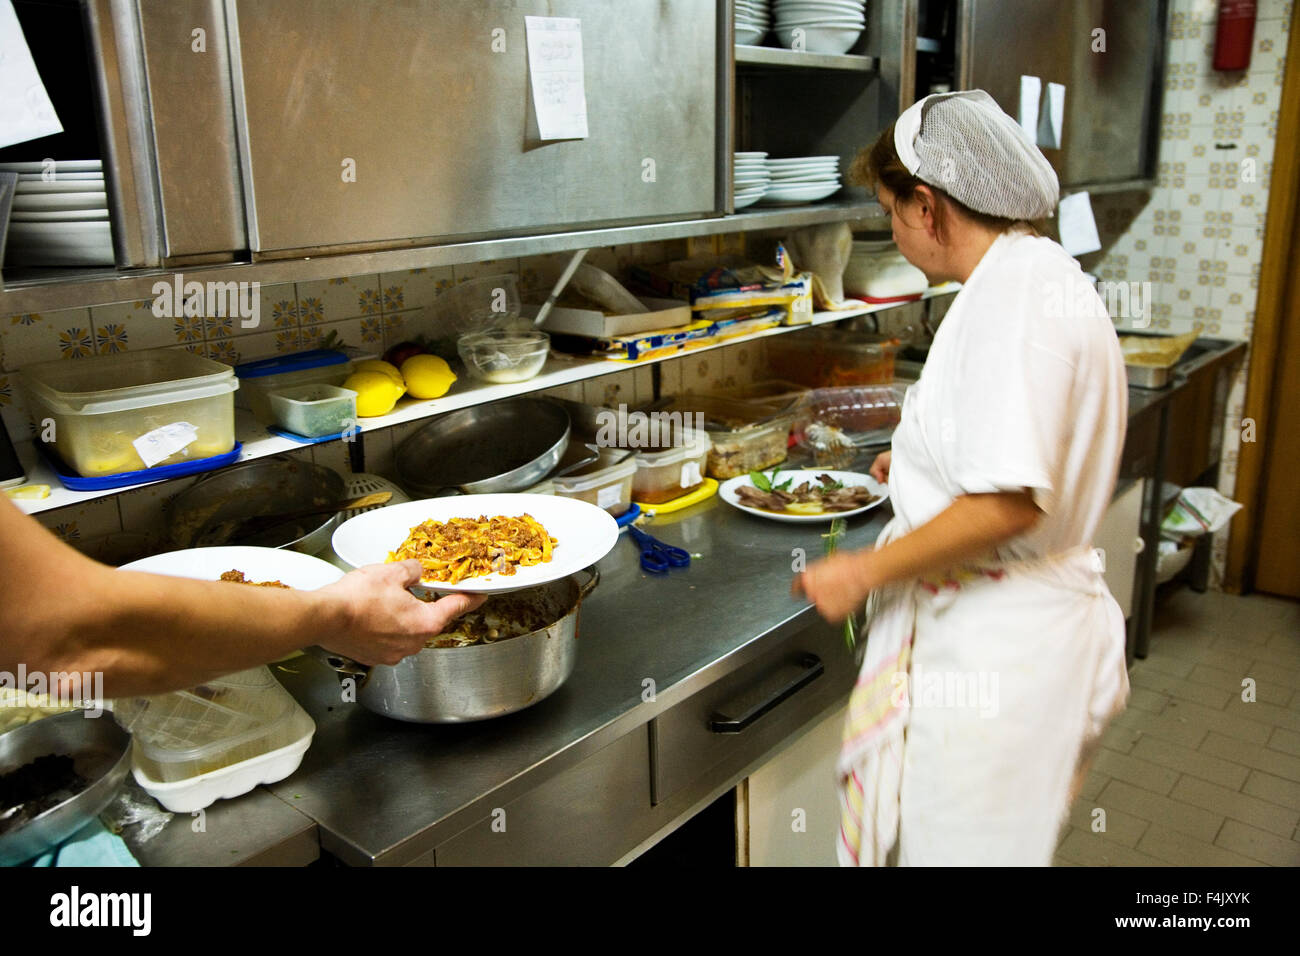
(606,484)
(110,414)
(671,473)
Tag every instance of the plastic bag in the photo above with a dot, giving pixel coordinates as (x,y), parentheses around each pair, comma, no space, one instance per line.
(824,251)
(133,806)
(1199,511)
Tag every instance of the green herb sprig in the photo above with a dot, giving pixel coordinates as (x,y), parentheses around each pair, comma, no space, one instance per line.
(838,529)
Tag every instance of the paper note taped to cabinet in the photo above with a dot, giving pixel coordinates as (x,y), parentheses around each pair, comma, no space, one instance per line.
(555,77)
(1077,225)
(25,108)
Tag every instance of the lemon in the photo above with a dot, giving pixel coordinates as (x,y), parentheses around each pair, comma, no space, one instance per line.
(377,393)
(427,376)
(28,491)
(378,365)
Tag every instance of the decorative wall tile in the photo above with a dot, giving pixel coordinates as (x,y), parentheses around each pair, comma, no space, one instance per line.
(491,267)
(345,297)
(38,336)
(78,522)
(143,509)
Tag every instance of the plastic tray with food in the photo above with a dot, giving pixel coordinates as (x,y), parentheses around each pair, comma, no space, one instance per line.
(829,358)
(745,435)
(606,484)
(662,475)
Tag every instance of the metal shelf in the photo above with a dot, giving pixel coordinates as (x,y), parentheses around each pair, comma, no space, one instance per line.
(69,289)
(259,443)
(790,59)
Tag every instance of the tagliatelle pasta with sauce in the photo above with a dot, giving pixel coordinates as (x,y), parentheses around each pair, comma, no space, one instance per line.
(459,548)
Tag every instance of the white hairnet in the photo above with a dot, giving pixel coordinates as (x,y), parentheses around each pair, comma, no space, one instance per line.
(967,146)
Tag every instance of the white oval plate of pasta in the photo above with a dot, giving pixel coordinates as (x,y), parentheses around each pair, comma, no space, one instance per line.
(582,534)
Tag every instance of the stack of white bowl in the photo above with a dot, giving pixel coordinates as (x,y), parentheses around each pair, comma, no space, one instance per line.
(819,26)
(751,178)
(753,20)
(801,179)
(59,215)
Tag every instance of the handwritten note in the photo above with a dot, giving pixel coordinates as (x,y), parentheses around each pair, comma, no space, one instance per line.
(556,78)
(1052,124)
(25,108)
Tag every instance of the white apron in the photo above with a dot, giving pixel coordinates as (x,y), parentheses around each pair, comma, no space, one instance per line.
(982,688)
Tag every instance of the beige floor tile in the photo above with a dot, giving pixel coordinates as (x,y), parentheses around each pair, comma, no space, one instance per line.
(1093,784)
(1251,755)
(1267,670)
(1287,741)
(1093,849)
(1180,849)
(1165,664)
(1267,691)
(1187,760)
(1140,773)
(1147,700)
(1237,806)
(1285,793)
(1174,728)
(1193,691)
(1214,657)
(1259,845)
(1280,655)
(1183,817)
(1230,725)
(1120,738)
(1120,827)
(1269,714)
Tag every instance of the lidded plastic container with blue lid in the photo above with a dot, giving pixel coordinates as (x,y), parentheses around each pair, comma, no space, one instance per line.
(314,367)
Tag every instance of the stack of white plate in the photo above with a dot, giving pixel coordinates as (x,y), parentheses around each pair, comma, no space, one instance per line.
(819,26)
(59,215)
(801,179)
(751,178)
(753,20)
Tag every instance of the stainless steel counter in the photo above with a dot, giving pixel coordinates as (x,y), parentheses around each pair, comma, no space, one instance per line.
(387,792)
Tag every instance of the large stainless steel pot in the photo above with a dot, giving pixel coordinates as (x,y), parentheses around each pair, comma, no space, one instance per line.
(448,685)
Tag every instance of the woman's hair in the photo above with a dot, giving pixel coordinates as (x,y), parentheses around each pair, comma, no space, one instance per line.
(878,165)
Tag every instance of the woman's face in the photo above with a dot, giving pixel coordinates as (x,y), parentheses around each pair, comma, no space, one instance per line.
(913,228)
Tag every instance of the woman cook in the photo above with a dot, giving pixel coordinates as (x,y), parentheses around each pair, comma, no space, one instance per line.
(999,473)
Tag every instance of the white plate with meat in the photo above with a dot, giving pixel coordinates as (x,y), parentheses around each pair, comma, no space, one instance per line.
(804,496)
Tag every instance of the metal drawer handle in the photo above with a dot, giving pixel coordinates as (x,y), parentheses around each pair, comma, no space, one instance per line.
(813,669)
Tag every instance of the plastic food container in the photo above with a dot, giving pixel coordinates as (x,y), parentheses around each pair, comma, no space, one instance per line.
(314,410)
(259,379)
(834,423)
(602,484)
(502,357)
(671,473)
(126,412)
(827,358)
(744,435)
(877,272)
(217,740)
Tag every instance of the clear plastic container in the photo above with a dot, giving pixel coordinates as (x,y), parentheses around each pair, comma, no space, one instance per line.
(745,435)
(828,358)
(834,423)
(671,473)
(314,410)
(605,484)
(744,450)
(186,734)
(315,367)
(110,413)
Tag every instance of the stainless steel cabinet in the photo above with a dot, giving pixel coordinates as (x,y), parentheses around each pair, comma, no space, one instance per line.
(1109,55)
(428,102)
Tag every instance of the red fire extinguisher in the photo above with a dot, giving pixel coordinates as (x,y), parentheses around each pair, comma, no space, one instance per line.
(1234,35)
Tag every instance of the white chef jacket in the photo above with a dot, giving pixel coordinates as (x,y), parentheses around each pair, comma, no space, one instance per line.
(1024,388)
